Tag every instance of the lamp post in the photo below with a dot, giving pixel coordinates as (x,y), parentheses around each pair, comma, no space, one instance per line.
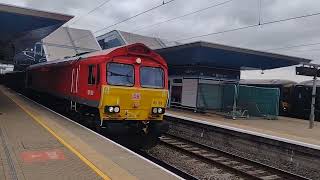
(313,101)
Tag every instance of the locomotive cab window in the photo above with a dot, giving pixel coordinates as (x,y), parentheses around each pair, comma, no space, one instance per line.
(120,74)
(151,77)
(91,76)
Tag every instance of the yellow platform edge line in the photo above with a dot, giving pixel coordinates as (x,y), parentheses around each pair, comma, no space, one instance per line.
(62,141)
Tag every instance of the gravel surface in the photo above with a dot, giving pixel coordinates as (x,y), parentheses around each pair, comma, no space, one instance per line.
(190,165)
(260,152)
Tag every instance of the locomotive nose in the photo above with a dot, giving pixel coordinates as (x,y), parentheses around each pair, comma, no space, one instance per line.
(135,103)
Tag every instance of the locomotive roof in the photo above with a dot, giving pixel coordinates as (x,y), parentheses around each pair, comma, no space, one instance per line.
(90,54)
(83,56)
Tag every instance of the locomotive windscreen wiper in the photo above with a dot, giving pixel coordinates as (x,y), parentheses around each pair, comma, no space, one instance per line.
(128,76)
(118,74)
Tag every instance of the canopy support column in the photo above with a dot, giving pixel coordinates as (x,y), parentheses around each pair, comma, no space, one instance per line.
(313,101)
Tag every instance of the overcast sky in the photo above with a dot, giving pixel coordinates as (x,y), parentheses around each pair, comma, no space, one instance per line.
(236,13)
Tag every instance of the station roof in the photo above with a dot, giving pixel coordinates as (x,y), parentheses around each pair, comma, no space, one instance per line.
(217,55)
(22,27)
(309,83)
(117,37)
(266,82)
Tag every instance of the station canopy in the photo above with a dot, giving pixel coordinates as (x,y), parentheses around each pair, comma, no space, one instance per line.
(21,28)
(204,54)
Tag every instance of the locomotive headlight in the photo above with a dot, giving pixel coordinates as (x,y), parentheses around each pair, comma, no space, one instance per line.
(157,110)
(154,110)
(112,109)
(161,110)
(138,60)
(116,109)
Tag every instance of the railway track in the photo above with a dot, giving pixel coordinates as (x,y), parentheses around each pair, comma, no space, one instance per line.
(240,166)
(237,165)
(167,166)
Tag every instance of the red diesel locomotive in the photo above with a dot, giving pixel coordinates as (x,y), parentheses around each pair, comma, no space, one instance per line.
(124,86)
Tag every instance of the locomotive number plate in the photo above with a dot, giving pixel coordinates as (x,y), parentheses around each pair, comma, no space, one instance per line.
(90,92)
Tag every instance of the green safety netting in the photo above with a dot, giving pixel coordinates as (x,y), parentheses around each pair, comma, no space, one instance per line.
(209,96)
(259,101)
(245,100)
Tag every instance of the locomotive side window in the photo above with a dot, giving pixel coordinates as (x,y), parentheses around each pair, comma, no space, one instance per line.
(98,73)
(120,74)
(151,77)
(91,76)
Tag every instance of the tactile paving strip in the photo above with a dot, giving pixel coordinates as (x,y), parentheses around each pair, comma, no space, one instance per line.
(13,173)
(33,145)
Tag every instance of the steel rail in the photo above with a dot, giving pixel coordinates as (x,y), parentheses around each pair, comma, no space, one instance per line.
(233,163)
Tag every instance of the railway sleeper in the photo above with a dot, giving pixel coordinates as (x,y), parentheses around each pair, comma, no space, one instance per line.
(197,152)
(167,139)
(219,159)
(230,162)
(192,149)
(184,146)
(271,177)
(256,172)
(209,156)
(242,167)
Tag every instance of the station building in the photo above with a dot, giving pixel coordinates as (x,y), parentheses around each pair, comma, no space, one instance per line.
(205,76)
(29,132)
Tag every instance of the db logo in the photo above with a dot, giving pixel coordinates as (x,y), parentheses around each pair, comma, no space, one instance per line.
(136,96)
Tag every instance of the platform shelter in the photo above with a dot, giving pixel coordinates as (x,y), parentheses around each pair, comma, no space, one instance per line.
(205,76)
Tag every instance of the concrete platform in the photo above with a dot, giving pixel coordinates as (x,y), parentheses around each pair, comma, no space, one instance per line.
(37,143)
(287,143)
(294,131)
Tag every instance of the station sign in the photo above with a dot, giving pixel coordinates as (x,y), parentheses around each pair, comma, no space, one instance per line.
(307,71)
